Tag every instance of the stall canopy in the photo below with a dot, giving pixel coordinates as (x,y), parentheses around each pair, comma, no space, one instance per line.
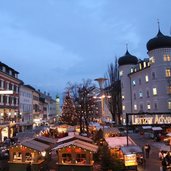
(117,142)
(131,149)
(157,128)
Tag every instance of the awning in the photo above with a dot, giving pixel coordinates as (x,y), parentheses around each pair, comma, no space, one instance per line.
(146,127)
(157,128)
(131,149)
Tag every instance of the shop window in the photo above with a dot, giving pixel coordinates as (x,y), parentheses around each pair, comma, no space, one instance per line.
(17,156)
(168,72)
(66,158)
(80,158)
(28,157)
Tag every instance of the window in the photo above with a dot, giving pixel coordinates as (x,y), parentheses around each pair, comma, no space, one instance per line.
(148,106)
(155,106)
(135,107)
(139,81)
(145,64)
(140,94)
(123,97)
(152,60)
(168,72)
(123,107)
(140,66)
(141,107)
(154,91)
(148,94)
(169,105)
(133,83)
(169,89)
(166,58)
(153,76)
(66,158)
(146,78)
(81,158)
(121,73)
(132,70)
(134,96)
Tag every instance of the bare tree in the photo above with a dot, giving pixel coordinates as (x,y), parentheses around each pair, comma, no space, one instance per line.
(113,88)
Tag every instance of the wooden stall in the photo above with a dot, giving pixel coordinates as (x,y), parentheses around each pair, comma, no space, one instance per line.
(30,153)
(75,155)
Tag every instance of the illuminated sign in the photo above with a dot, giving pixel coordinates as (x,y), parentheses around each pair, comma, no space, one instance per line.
(130,160)
(6,92)
(151,119)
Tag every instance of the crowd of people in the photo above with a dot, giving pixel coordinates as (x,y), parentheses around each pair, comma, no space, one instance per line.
(165,160)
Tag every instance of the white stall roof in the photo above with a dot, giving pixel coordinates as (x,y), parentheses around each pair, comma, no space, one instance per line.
(157,128)
(131,149)
(117,142)
(146,127)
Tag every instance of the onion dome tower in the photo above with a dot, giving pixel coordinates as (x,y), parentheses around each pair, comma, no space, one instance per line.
(159,41)
(128,59)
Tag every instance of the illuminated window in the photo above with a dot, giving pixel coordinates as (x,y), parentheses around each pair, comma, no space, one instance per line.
(146,78)
(121,73)
(169,90)
(169,105)
(166,58)
(135,107)
(140,94)
(140,66)
(152,60)
(154,91)
(144,64)
(168,72)
(133,83)
(123,107)
(123,97)
(148,106)
(132,70)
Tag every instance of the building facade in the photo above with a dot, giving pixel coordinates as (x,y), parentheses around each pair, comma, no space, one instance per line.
(146,84)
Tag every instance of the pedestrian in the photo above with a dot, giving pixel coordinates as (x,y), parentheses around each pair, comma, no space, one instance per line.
(28,167)
(147,149)
(164,164)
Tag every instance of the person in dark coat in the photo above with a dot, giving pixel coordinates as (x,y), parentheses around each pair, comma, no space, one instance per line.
(147,149)
(28,167)
(164,164)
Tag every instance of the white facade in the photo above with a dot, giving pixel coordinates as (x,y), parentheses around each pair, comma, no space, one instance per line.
(146,86)
(26,103)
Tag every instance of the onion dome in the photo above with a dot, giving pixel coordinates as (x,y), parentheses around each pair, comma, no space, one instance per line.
(127,59)
(160,41)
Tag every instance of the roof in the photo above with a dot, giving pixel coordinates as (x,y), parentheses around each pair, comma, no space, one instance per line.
(131,149)
(74,137)
(111,130)
(157,128)
(79,143)
(146,127)
(127,59)
(46,139)
(117,142)
(160,41)
(35,145)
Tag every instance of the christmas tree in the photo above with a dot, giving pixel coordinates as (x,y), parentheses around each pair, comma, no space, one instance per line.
(68,111)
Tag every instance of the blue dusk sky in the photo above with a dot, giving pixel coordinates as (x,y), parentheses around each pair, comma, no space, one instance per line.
(52,42)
